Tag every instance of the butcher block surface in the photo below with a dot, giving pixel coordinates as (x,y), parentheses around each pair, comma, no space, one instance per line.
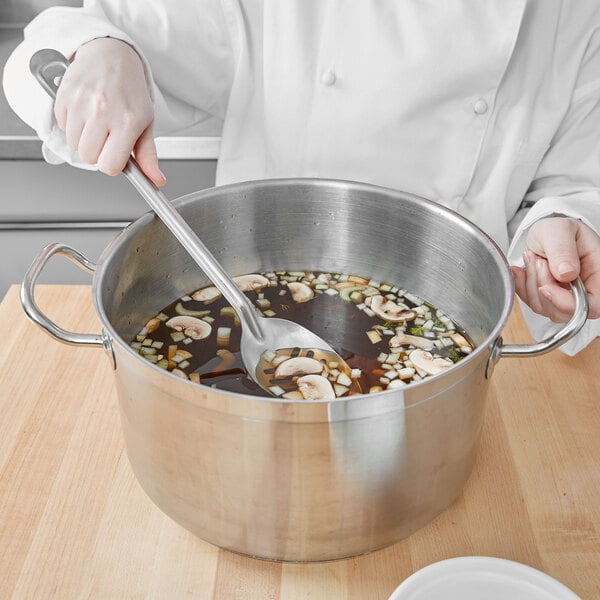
(74,523)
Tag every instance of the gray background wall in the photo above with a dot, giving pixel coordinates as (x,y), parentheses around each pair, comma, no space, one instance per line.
(22,11)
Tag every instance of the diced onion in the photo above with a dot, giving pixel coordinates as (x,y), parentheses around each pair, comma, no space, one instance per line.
(223,334)
(406,373)
(396,383)
(268,355)
(339,390)
(373,336)
(343,379)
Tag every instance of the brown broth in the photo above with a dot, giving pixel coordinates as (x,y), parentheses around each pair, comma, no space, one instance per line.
(342,323)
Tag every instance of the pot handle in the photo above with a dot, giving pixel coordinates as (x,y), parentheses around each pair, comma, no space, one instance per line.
(32,310)
(572,327)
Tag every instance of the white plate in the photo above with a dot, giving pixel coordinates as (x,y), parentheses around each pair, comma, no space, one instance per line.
(481,577)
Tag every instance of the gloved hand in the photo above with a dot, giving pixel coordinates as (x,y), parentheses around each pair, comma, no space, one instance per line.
(559,250)
(105,108)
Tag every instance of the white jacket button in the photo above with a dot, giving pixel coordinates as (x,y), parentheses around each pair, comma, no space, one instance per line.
(328,78)
(480,107)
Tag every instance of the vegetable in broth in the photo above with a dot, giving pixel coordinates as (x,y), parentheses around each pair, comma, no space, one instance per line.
(386,336)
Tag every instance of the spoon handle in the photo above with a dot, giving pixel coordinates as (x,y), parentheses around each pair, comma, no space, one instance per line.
(194,246)
(47,66)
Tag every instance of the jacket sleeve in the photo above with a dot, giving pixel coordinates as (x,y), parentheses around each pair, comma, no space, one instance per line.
(567,182)
(185,47)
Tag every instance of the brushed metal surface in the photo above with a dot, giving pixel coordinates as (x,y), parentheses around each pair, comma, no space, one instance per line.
(304,481)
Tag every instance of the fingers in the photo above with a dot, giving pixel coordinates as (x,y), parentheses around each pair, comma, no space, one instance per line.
(121,139)
(531,283)
(145,155)
(556,301)
(111,150)
(90,143)
(73,129)
(572,249)
(556,240)
(536,286)
(104,106)
(60,105)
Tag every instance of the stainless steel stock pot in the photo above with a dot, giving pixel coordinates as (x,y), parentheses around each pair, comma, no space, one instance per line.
(289,480)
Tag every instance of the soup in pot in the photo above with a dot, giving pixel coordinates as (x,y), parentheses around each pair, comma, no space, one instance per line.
(386,336)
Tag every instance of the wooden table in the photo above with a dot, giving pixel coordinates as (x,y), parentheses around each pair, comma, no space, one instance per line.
(74,523)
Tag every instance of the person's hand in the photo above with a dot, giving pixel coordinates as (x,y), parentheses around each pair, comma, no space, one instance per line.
(103,105)
(559,250)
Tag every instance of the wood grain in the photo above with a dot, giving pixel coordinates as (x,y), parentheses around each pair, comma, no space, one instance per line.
(74,523)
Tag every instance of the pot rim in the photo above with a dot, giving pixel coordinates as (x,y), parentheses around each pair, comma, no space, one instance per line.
(348,185)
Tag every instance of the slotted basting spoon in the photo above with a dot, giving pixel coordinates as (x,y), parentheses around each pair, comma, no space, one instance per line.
(259,333)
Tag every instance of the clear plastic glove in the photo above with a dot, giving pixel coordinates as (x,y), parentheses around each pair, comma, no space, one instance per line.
(105,108)
(559,250)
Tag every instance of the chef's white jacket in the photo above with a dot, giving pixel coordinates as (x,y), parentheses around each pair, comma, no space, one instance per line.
(478,105)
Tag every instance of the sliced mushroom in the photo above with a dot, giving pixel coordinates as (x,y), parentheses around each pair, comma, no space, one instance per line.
(390,311)
(180,309)
(347,290)
(207,294)
(315,387)
(300,291)
(428,363)
(251,282)
(358,279)
(246,283)
(192,327)
(404,339)
(456,337)
(299,365)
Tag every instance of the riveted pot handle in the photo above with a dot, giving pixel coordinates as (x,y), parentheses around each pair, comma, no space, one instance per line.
(33,311)
(571,328)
